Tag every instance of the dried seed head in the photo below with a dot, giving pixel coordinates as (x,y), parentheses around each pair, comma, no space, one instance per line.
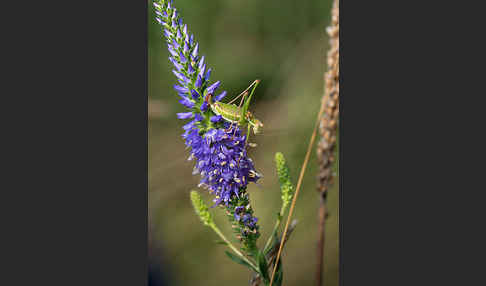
(329,120)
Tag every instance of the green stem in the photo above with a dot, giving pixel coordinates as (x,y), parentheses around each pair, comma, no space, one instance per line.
(275,228)
(274,232)
(230,245)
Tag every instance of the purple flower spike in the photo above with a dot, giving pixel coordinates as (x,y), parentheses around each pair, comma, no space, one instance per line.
(220,153)
(184,115)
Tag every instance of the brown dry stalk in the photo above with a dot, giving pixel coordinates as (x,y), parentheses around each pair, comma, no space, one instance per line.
(328,131)
(297,189)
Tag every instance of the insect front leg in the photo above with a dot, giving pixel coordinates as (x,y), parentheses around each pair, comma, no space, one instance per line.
(229,128)
(247,102)
(247,135)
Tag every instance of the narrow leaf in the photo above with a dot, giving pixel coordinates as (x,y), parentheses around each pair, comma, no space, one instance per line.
(279,274)
(262,266)
(237,259)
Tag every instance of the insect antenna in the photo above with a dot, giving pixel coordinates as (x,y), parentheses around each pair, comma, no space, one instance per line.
(246,90)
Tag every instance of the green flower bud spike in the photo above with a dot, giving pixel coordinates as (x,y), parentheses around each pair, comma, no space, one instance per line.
(203,212)
(286,186)
(287,191)
(201,209)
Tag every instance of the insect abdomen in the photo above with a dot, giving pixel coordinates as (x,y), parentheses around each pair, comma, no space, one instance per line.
(229,112)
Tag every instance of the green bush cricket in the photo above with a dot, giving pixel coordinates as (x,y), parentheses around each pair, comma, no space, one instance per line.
(238,114)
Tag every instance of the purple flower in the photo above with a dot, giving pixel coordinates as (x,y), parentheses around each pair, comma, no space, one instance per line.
(186,102)
(183,58)
(184,30)
(220,96)
(186,48)
(175,44)
(190,69)
(195,94)
(199,81)
(198,117)
(178,66)
(238,210)
(181,76)
(201,62)
(204,106)
(168,34)
(172,51)
(184,115)
(181,89)
(208,74)
(201,71)
(216,118)
(213,87)
(196,50)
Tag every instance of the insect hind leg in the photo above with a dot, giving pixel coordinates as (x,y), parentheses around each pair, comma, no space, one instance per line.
(241,115)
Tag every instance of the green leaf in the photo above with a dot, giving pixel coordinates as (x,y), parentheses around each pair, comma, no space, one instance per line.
(238,260)
(262,266)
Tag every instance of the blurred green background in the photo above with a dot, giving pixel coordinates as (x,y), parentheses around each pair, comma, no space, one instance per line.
(284,44)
